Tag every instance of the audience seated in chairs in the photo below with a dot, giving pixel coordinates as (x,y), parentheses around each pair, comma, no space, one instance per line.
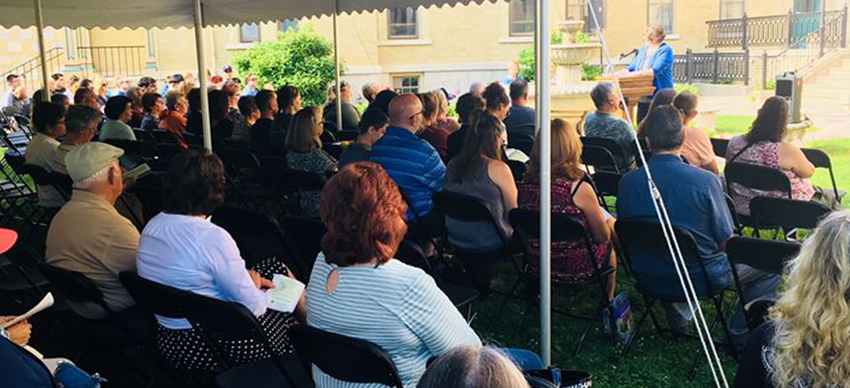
(350,116)
(572,195)
(358,290)
(221,128)
(181,248)
(304,153)
(697,149)
(466,104)
(88,235)
(260,137)
(414,165)
(805,344)
(86,97)
(174,118)
(473,367)
(288,103)
(137,112)
(154,106)
(603,123)
(383,99)
(521,118)
(496,100)
(250,114)
(115,126)
(49,124)
(662,98)
(696,203)
(373,125)
(480,172)
(81,123)
(764,146)
(436,127)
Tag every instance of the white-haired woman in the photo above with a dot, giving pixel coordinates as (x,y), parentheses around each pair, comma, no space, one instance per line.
(806,344)
(473,367)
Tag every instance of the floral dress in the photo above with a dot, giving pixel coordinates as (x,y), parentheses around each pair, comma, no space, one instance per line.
(569,258)
(316,161)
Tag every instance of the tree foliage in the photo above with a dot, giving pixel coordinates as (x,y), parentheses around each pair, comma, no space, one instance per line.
(299,58)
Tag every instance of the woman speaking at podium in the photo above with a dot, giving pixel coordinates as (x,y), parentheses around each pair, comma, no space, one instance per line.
(655,59)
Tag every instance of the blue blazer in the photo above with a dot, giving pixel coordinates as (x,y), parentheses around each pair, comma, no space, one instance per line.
(661,63)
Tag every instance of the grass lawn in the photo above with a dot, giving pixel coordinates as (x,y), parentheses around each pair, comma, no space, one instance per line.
(839,153)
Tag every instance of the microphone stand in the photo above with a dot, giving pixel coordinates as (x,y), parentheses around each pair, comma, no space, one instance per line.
(619,61)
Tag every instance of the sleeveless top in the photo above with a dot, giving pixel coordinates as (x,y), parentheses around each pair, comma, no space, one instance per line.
(478,236)
(765,154)
(569,258)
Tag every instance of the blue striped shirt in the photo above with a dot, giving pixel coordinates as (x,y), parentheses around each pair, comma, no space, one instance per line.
(414,165)
(395,306)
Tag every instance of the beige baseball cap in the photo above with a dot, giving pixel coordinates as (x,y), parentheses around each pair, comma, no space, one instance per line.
(87,159)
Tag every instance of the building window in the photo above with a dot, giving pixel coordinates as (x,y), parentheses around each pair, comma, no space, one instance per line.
(289,25)
(661,12)
(731,9)
(406,84)
(403,23)
(521,17)
(249,32)
(580,10)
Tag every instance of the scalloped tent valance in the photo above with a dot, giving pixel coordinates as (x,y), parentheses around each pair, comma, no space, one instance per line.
(179,13)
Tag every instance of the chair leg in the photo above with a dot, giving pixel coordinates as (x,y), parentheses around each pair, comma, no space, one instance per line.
(635,333)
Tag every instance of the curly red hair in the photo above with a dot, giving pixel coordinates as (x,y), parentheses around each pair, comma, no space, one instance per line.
(363,212)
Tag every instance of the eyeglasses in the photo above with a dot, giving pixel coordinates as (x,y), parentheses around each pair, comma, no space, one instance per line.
(417,114)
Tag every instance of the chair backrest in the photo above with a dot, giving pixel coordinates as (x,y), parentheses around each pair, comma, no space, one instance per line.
(62,182)
(787,213)
(345,358)
(42,177)
(519,140)
(144,136)
(609,144)
(756,177)
(462,207)
(765,255)
(411,254)
(303,236)
(129,146)
(16,162)
(518,169)
(258,237)
(347,135)
(71,285)
(719,146)
(224,320)
(564,228)
(598,157)
(607,183)
(157,298)
(819,158)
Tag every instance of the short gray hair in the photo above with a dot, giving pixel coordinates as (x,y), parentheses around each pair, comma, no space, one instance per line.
(172,98)
(664,128)
(473,367)
(601,93)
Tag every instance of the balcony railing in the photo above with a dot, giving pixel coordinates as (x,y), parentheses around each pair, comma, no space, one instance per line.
(31,69)
(112,61)
(781,31)
(714,67)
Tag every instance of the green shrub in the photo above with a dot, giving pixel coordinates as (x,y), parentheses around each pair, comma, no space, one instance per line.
(299,58)
(589,72)
(687,87)
(527,59)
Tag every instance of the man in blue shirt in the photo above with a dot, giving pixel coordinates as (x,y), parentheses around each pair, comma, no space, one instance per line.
(520,120)
(604,124)
(414,165)
(695,202)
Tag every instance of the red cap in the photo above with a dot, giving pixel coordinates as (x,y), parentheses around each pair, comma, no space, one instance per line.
(7,239)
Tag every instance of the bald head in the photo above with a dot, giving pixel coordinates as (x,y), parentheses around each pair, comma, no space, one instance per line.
(406,112)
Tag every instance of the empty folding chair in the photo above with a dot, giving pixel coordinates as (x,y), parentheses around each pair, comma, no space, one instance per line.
(821,160)
(517,140)
(788,214)
(719,146)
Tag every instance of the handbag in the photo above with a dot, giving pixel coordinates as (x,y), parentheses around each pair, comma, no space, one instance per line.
(556,378)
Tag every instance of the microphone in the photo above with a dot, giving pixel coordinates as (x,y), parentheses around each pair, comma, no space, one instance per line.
(630,53)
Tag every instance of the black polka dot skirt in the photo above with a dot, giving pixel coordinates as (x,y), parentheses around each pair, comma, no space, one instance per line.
(187,350)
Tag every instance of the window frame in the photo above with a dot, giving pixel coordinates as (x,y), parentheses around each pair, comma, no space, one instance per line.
(406,89)
(416,23)
(512,22)
(672,3)
(288,25)
(242,33)
(723,3)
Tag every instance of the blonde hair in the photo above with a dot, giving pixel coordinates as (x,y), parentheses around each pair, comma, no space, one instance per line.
(657,32)
(473,367)
(430,107)
(812,341)
(304,132)
(442,103)
(566,153)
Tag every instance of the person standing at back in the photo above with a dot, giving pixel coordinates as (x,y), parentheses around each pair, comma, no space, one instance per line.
(520,119)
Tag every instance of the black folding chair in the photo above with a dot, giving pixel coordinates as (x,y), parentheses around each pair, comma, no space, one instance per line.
(221,322)
(764,255)
(564,230)
(518,169)
(303,237)
(821,160)
(787,214)
(719,146)
(599,158)
(145,136)
(648,237)
(260,237)
(347,135)
(411,254)
(333,354)
(756,178)
(518,140)
(606,184)
(620,155)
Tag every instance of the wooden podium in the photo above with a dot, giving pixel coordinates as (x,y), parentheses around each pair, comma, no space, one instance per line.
(634,88)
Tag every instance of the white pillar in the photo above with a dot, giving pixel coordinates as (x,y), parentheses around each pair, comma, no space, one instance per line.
(337,70)
(42,51)
(542,95)
(202,74)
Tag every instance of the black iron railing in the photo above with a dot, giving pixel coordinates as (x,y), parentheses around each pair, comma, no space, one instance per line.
(714,67)
(778,30)
(31,69)
(112,61)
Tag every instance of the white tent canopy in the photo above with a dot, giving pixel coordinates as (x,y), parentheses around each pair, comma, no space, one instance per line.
(180,13)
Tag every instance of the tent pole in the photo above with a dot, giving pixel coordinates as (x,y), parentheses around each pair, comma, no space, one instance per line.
(42,52)
(337,70)
(543,124)
(202,74)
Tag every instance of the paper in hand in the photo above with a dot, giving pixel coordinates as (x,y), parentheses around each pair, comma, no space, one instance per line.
(45,303)
(285,295)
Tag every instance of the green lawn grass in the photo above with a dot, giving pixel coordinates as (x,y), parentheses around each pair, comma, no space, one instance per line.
(839,153)
(729,125)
